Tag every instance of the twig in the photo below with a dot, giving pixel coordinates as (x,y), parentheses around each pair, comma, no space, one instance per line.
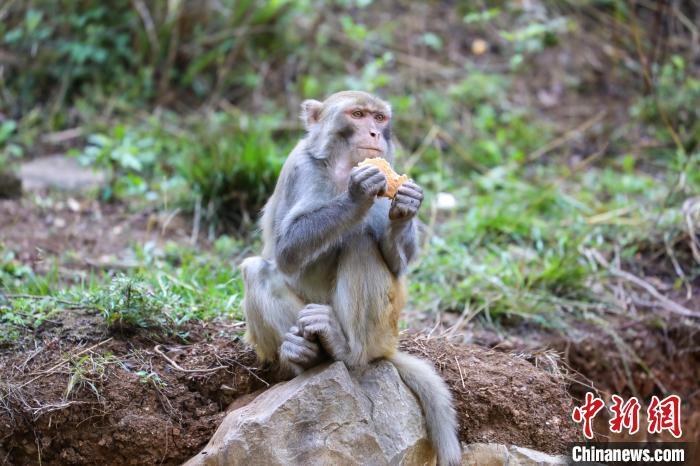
(609,215)
(468,159)
(464,318)
(248,369)
(422,64)
(561,140)
(176,366)
(30,357)
(461,376)
(197,219)
(64,362)
(677,267)
(150,27)
(668,304)
(427,141)
(39,410)
(167,221)
(691,210)
(585,163)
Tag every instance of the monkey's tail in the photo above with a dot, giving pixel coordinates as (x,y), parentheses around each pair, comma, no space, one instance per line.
(436,400)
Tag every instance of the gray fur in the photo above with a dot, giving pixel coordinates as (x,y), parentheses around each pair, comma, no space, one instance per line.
(420,376)
(333,255)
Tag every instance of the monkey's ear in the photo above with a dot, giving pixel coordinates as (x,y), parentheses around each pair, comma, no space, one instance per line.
(310,112)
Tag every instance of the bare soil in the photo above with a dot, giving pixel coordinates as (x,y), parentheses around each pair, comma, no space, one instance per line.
(657,355)
(79,395)
(86,397)
(82,233)
(643,362)
(501,398)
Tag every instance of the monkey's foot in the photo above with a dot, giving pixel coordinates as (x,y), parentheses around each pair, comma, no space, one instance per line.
(318,321)
(299,353)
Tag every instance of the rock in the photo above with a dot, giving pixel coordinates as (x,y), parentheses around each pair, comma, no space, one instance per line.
(10,186)
(484,454)
(521,456)
(325,416)
(60,172)
(495,454)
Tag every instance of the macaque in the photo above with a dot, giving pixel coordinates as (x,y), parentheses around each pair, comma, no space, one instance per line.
(330,283)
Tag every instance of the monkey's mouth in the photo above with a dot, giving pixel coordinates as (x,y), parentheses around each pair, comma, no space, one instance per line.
(373,149)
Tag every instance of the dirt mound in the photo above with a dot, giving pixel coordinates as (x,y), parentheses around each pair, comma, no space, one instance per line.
(119,401)
(501,398)
(80,395)
(652,356)
(643,362)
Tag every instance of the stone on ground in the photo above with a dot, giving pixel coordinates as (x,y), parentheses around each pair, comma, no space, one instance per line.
(58,172)
(325,416)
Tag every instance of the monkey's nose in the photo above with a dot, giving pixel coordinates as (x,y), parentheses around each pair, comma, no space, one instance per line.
(373,134)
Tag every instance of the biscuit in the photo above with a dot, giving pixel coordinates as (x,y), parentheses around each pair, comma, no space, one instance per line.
(393,179)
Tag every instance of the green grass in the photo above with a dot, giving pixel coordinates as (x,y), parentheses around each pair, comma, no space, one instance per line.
(166,289)
(517,245)
(208,132)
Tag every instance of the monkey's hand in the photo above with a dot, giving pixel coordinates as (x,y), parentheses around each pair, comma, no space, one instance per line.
(408,200)
(299,353)
(366,183)
(317,321)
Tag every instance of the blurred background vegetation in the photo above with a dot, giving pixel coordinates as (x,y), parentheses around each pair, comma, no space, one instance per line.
(558,143)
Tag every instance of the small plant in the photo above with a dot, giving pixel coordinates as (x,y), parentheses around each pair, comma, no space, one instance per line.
(231,164)
(671,112)
(129,303)
(12,271)
(129,155)
(89,371)
(218,165)
(146,377)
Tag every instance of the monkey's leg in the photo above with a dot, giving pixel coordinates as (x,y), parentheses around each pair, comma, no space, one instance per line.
(359,325)
(271,310)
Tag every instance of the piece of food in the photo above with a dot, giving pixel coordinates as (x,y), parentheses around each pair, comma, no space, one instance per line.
(393,179)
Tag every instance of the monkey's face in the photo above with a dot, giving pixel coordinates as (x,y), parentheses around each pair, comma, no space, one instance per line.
(353,124)
(366,130)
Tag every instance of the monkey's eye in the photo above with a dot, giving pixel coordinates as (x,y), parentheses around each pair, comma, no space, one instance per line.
(357,114)
(379,117)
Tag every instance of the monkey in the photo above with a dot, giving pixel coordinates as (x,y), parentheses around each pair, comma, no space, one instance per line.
(330,281)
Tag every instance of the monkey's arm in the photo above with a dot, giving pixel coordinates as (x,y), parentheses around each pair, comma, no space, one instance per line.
(313,226)
(399,242)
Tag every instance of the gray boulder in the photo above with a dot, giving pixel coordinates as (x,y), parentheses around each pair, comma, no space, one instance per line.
(495,454)
(325,416)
